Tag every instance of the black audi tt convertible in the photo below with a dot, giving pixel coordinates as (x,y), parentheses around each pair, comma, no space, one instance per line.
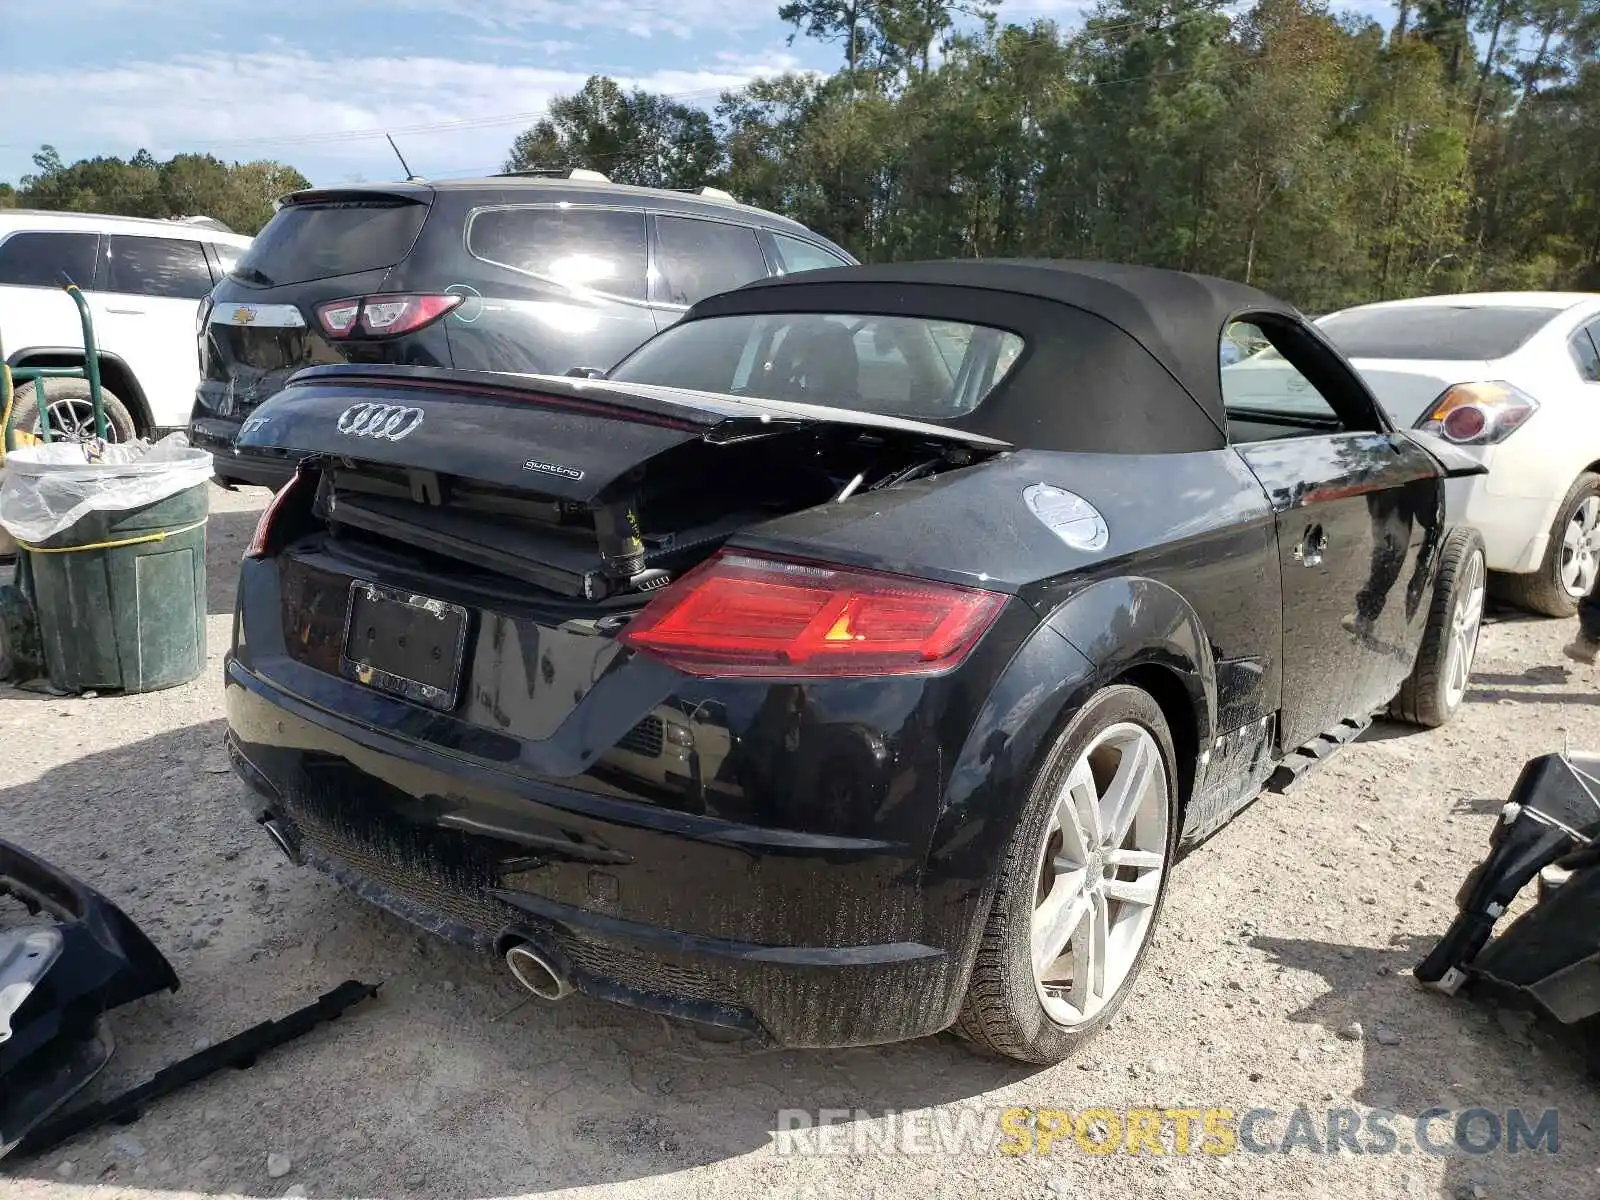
(852,660)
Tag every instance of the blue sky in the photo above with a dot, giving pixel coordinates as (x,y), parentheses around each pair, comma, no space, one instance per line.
(314,82)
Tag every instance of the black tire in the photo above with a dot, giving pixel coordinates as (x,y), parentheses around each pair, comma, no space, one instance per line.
(1002,1012)
(1424,699)
(1542,591)
(120,425)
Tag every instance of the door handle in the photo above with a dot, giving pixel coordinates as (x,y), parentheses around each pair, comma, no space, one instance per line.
(127,312)
(1309,552)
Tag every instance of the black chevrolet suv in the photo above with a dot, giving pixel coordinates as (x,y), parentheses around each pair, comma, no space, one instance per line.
(527,273)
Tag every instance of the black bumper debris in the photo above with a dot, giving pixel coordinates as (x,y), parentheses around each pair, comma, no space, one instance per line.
(59,977)
(1549,830)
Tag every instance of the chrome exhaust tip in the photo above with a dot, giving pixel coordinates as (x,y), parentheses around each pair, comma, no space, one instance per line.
(280,839)
(534,972)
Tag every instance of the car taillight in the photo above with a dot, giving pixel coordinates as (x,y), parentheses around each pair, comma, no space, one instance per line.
(261,541)
(1478,414)
(742,615)
(382,316)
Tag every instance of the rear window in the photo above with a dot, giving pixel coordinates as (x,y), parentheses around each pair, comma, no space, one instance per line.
(912,367)
(597,249)
(1442,331)
(319,241)
(169,268)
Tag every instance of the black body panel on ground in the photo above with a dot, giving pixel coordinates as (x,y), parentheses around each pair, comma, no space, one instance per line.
(59,977)
(1552,951)
(807,853)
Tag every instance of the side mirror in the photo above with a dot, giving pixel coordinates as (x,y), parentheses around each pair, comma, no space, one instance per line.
(585,373)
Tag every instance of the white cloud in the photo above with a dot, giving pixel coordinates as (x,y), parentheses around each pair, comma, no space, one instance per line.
(644,18)
(323,115)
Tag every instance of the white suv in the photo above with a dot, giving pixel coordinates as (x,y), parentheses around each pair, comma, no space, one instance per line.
(143,280)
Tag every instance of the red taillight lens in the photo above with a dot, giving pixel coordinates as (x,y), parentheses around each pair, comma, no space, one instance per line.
(339,318)
(740,615)
(382,316)
(1479,414)
(261,543)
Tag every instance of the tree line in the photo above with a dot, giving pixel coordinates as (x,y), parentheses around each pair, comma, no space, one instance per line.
(240,195)
(1314,153)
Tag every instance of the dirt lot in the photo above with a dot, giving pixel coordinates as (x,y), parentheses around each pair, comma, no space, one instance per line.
(1298,921)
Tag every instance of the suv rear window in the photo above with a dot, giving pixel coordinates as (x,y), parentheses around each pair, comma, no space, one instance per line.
(697,258)
(319,241)
(37,259)
(600,250)
(149,266)
(914,367)
(1442,331)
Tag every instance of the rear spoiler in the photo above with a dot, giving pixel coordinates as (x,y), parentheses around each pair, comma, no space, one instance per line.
(404,193)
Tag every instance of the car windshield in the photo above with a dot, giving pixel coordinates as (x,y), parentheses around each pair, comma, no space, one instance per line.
(1456,332)
(915,367)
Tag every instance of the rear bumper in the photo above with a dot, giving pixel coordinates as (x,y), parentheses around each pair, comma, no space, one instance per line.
(258,468)
(1516,529)
(635,903)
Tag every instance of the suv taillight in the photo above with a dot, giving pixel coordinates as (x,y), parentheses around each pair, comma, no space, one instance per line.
(382,316)
(742,615)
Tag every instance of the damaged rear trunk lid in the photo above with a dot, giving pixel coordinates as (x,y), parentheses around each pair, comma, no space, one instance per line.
(584,488)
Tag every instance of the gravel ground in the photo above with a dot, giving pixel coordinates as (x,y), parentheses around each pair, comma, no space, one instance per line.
(1296,924)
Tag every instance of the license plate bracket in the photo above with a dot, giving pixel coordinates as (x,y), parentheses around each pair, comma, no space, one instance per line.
(408,645)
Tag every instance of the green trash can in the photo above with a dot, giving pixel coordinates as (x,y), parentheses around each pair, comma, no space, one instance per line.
(121,597)
(119,593)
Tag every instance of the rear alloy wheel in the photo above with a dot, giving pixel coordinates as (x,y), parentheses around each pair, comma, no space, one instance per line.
(1082,886)
(1438,683)
(1572,562)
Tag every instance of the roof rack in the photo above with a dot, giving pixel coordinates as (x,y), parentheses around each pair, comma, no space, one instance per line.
(716,193)
(583,174)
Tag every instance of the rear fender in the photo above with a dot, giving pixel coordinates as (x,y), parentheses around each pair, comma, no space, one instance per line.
(1096,636)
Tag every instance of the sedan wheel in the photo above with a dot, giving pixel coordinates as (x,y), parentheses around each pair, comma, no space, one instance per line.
(1082,883)
(1580,549)
(1100,869)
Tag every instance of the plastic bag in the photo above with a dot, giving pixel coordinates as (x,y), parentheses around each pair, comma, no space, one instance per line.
(48,487)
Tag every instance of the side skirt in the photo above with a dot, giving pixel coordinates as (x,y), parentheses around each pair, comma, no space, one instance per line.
(1244,762)
(1299,763)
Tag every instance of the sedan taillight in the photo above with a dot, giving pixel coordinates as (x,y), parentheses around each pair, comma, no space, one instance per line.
(382,316)
(1478,414)
(742,615)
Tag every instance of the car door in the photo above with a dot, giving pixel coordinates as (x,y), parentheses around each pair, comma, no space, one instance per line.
(695,257)
(1359,511)
(146,300)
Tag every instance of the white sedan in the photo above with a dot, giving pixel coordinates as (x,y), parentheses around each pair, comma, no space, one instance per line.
(1514,379)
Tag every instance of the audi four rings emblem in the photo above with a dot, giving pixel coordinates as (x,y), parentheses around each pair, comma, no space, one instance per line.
(388,421)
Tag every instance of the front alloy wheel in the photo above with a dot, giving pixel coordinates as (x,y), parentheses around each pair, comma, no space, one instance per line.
(1082,883)
(1438,682)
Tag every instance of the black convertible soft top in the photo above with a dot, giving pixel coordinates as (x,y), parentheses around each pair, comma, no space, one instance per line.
(1121,359)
